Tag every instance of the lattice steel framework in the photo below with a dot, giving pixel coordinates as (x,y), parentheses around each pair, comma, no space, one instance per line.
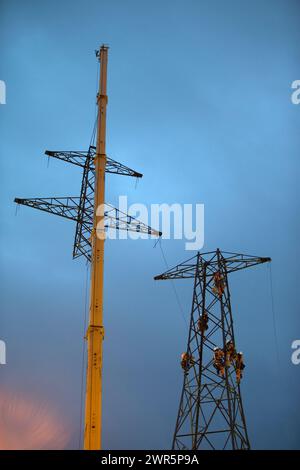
(81,208)
(211,414)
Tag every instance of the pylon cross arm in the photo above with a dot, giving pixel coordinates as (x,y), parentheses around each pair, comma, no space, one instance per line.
(70,208)
(66,207)
(184,270)
(209,263)
(236,262)
(76,157)
(116,219)
(85,159)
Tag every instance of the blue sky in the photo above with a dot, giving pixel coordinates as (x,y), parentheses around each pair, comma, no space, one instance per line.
(199,102)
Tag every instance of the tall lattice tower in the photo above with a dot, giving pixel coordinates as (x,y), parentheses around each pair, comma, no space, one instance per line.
(211,414)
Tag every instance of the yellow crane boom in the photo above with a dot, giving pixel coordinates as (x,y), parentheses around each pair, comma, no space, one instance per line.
(95,331)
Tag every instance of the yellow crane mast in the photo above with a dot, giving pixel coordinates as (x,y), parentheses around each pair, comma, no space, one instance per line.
(95,331)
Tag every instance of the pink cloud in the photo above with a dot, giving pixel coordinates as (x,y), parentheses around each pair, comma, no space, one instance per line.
(27,423)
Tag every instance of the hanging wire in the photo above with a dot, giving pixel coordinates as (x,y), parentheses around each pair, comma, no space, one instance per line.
(157,241)
(96,89)
(83,354)
(83,367)
(172,282)
(93,137)
(273,314)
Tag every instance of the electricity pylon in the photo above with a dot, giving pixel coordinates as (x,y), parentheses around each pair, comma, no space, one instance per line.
(211,414)
(93,216)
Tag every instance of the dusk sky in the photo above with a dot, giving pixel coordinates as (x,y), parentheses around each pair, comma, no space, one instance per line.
(199,101)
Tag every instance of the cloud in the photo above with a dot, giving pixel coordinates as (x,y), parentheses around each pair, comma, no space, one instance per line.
(27,423)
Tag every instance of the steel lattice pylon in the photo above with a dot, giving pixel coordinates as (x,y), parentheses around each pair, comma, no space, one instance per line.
(211,414)
(81,209)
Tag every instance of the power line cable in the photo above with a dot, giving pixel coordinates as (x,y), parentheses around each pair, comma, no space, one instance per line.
(83,354)
(172,283)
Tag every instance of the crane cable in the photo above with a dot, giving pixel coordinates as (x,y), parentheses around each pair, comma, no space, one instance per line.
(93,137)
(172,282)
(83,366)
